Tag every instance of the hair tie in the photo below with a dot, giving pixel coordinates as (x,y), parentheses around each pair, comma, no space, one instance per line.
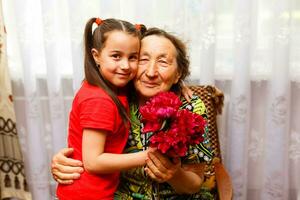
(98,21)
(138,27)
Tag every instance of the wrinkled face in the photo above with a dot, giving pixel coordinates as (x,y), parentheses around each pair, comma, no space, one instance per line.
(118,59)
(157,69)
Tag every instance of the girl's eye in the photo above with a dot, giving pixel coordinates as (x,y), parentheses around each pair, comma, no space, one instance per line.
(133,58)
(116,56)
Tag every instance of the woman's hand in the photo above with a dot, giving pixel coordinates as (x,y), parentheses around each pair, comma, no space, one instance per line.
(160,168)
(65,170)
(184,180)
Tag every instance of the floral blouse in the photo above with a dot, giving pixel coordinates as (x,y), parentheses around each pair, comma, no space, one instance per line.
(135,184)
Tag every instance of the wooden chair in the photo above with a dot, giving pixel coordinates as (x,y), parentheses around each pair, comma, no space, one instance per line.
(213,99)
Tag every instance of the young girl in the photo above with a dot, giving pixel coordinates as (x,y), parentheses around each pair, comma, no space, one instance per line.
(98,124)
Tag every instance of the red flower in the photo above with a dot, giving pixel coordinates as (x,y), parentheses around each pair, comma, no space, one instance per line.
(173,129)
(162,106)
(170,143)
(192,124)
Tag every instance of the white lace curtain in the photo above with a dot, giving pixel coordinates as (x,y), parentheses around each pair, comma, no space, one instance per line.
(248,48)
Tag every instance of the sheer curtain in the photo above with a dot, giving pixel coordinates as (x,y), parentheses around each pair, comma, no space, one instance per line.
(248,48)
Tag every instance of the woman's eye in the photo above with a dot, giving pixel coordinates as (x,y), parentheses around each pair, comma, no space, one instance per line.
(163,62)
(143,60)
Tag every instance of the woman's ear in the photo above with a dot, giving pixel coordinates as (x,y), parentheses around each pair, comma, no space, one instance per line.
(96,55)
(178,75)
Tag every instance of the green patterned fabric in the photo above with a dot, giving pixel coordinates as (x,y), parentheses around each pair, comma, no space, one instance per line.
(134,183)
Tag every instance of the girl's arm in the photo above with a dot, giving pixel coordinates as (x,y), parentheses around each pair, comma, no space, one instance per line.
(95,160)
(186,92)
(161,169)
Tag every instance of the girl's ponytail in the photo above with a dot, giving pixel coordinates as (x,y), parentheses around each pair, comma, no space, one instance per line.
(90,67)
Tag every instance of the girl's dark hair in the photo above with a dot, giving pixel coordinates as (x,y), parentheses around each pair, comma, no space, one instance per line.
(96,39)
(182,58)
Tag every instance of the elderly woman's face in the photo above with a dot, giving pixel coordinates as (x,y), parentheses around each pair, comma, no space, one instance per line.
(157,69)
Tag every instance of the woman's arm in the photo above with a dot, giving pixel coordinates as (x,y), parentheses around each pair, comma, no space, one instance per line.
(95,160)
(186,182)
(161,169)
(65,170)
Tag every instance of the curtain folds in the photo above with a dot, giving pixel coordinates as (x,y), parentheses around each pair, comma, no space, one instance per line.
(250,49)
(13,182)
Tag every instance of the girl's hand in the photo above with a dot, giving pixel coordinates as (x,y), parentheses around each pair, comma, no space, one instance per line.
(186,92)
(150,149)
(160,168)
(65,170)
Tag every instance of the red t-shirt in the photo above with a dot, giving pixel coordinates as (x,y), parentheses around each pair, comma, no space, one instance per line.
(93,108)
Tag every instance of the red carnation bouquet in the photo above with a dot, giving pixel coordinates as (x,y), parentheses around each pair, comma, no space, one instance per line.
(173,129)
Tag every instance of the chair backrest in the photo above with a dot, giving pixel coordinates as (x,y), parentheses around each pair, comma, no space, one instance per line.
(215,173)
(213,99)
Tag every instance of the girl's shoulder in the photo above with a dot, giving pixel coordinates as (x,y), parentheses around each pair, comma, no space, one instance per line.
(91,92)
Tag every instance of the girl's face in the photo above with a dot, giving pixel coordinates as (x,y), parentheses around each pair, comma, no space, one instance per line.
(118,59)
(158,69)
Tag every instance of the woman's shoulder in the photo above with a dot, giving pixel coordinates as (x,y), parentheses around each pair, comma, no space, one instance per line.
(195,105)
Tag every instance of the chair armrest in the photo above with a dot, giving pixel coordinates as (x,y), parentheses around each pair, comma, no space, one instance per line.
(223,182)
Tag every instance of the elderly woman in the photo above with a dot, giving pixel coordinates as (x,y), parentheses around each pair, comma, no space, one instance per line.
(163,65)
